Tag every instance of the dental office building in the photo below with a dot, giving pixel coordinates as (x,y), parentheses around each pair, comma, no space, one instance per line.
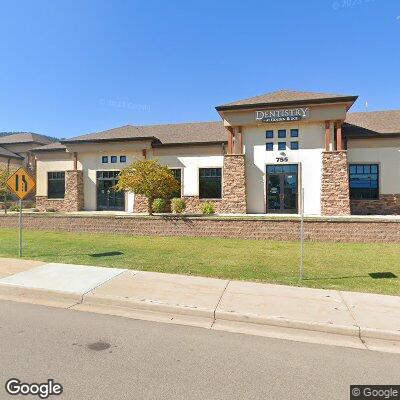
(255,159)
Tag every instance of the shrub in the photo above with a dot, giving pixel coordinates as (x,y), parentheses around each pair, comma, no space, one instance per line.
(208,208)
(178,205)
(50,210)
(29,204)
(14,207)
(159,205)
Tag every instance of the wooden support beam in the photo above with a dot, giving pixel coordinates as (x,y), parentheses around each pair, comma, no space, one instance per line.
(230,140)
(339,136)
(75,160)
(327,135)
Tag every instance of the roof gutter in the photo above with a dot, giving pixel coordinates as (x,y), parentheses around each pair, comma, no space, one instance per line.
(346,99)
(78,141)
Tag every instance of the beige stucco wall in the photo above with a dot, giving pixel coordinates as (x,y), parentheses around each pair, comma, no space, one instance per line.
(309,159)
(387,156)
(90,163)
(317,113)
(50,162)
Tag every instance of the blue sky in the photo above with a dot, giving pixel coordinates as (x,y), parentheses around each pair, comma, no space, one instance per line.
(73,67)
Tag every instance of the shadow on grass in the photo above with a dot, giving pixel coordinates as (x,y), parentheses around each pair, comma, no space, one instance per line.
(107,254)
(373,275)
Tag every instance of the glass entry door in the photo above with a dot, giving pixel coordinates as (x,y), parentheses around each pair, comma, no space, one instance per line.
(107,197)
(282,189)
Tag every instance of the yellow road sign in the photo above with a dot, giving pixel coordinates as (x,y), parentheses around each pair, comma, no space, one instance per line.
(21,183)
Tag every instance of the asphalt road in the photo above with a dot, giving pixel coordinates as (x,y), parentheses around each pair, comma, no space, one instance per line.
(148,360)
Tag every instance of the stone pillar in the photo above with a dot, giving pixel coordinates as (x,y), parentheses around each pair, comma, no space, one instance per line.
(234,184)
(335,196)
(73,199)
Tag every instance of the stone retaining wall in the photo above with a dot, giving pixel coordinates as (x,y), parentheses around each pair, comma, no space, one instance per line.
(380,231)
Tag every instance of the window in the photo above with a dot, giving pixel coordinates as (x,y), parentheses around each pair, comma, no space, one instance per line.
(294,145)
(281,145)
(269,134)
(104,159)
(114,159)
(269,146)
(122,158)
(294,133)
(56,185)
(177,172)
(210,183)
(282,133)
(364,181)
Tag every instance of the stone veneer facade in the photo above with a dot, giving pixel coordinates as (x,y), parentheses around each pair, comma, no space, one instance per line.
(335,196)
(233,190)
(73,199)
(387,204)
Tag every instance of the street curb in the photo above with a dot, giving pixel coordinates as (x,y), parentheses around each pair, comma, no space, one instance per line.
(288,323)
(38,296)
(146,305)
(68,299)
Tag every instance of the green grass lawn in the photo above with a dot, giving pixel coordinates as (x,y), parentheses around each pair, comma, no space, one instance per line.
(344,266)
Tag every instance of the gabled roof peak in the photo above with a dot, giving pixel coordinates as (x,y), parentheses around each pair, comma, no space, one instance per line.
(286,97)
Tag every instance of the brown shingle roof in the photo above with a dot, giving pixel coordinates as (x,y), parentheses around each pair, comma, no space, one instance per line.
(372,123)
(8,154)
(285,97)
(55,146)
(186,133)
(25,137)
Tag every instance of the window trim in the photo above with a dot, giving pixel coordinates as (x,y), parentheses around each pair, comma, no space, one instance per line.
(55,198)
(266,148)
(282,130)
(294,129)
(182,171)
(378,163)
(284,148)
(222,183)
(266,134)
(298,145)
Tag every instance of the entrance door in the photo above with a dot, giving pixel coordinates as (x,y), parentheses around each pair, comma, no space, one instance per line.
(282,184)
(107,197)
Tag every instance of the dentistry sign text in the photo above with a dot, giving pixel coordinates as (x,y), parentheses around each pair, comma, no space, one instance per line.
(283,115)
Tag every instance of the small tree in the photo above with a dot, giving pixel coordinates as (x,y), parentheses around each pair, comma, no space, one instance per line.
(148,178)
(4,175)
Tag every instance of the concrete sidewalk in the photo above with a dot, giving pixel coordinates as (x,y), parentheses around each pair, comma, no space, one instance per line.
(359,320)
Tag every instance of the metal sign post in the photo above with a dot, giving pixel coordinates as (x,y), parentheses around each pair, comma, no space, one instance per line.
(302,236)
(20,183)
(20,227)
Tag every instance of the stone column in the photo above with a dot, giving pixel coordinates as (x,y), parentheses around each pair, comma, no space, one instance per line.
(335,196)
(74,198)
(234,184)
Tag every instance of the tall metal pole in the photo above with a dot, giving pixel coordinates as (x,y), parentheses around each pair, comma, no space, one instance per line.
(302,236)
(20,227)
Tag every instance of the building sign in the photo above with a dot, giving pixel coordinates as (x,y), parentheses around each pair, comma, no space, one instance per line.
(283,115)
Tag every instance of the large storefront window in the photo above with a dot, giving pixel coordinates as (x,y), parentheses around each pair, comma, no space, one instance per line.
(210,183)
(364,181)
(177,172)
(56,185)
